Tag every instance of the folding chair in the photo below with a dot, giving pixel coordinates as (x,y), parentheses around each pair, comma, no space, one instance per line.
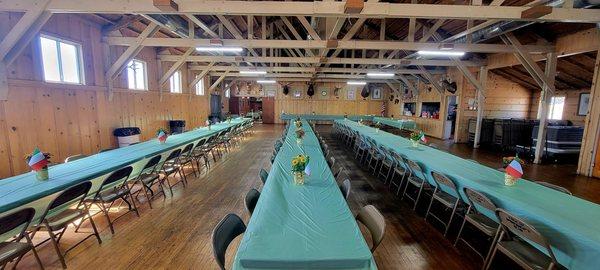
(417,179)
(148,177)
(375,222)
(66,209)
(447,199)
(228,229)
(15,249)
(113,188)
(251,199)
(171,167)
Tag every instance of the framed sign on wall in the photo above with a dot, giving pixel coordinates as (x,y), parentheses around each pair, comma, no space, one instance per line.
(350,94)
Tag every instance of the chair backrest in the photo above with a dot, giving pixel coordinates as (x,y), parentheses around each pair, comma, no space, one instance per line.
(555,187)
(228,229)
(478,198)
(13,221)
(515,226)
(443,180)
(73,195)
(74,157)
(331,161)
(151,165)
(251,199)
(415,168)
(340,170)
(263,176)
(187,149)
(345,188)
(200,143)
(120,174)
(374,221)
(175,154)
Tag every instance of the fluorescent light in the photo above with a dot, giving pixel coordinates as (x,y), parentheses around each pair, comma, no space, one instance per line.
(219,49)
(253,72)
(380,74)
(441,53)
(356,83)
(266,81)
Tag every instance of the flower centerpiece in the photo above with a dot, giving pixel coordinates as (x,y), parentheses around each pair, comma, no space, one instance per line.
(38,161)
(298,123)
(416,137)
(299,168)
(162,135)
(299,135)
(228,119)
(360,122)
(513,169)
(208,124)
(377,126)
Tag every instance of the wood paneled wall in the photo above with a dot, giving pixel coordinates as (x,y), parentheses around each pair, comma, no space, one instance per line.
(68,119)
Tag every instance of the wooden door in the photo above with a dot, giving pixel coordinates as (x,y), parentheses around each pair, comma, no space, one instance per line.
(268,115)
(234,105)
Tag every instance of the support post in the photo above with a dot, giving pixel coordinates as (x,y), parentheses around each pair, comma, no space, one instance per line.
(591,131)
(545,97)
(480,101)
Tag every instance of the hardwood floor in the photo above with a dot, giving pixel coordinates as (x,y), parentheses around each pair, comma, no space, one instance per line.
(176,233)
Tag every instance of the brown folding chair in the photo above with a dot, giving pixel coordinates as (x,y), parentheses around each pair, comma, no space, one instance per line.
(15,249)
(514,241)
(67,209)
(480,221)
(448,200)
(375,222)
(114,188)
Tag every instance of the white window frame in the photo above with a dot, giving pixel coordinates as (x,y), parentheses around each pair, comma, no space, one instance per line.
(179,88)
(80,64)
(200,91)
(144,70)
(551,107)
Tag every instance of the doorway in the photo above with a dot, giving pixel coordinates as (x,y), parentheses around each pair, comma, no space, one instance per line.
(450,125)
(247,106)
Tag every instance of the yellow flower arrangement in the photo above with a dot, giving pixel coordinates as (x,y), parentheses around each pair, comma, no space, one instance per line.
(299,163)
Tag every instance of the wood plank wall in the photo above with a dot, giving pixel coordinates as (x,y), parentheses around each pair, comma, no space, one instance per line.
(79,119)
(571,105)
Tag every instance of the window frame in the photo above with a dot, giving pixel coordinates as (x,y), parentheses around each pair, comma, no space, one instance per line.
(171,89)
(200,91)
(551,107)
(79,57)
(145,70)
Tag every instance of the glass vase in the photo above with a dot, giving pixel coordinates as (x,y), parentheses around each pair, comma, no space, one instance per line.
(299,141)
(42,174)
(299,178)
(509,180)
(415,144)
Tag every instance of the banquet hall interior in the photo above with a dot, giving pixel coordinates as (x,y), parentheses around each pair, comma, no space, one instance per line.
(352,134)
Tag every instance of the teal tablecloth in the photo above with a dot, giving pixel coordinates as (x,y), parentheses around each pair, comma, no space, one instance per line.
(571,224)
(26,191)
(397,123)
(325,117)
(302,227)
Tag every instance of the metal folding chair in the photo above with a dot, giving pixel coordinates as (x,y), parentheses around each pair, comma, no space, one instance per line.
(514,239)
(171,168)
(251,199)
(66,209)
(263,176)
(74,157)
(148,177)
(16,222)
(447,199)
(114,188)
(345,188)
(228,229)
(417,179)
(375,222)
(555,187)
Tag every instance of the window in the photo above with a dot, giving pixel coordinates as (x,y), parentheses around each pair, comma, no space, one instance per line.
(200,87)
(175,82)
(136,75)
(61,60)
(228,92)
(557,105)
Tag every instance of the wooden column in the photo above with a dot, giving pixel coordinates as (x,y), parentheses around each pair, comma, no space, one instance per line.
(591,134)
(480,101)
(545,97)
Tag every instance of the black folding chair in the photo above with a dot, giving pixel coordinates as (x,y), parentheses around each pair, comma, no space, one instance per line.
(114,188)
(251,199)
(228,229)
(171,168)
(66,209)
(149,177)
(15,249)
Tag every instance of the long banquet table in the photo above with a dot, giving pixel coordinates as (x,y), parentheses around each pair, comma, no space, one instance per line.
(397,123)
(325,117)
(26,191)
(302,227)
(571,224)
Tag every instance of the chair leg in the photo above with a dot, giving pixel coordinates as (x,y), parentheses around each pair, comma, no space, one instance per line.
(56,248)
(147,196)
(488,258)
(429,207)
(94,228)
(418,197)
(451,217)
(462,226)
(35,254)
(105,211)
(134,206)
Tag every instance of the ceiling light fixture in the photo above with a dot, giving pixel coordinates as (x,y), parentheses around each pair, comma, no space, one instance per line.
(266,81)
(253,72)
(219,49)
(380,74)
(441,53)
(356,83)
